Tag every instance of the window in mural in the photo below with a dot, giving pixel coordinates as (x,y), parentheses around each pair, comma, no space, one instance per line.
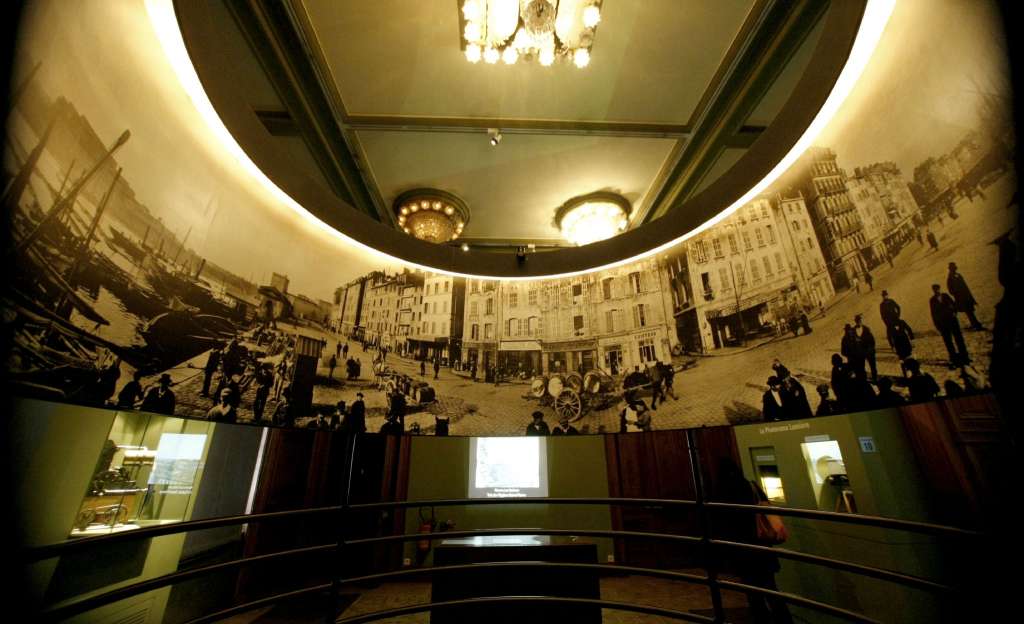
(646,346)
(196,287)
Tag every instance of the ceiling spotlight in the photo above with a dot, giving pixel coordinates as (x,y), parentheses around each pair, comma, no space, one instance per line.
(495,136)
(465,247)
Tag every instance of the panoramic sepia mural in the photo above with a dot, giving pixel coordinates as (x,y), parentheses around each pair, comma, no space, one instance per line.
(150,273)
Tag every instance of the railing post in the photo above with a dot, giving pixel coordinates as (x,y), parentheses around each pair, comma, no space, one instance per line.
(343,516)
(704,517)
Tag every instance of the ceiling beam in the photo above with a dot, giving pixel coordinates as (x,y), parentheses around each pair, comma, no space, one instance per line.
(277,45)
(780,31)
(744,137)
(625,129)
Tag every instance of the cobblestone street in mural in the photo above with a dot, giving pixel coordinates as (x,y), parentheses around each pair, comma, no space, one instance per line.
(137,291)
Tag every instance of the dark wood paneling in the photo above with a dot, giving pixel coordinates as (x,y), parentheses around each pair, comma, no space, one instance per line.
(961,448)
(305,469)
(657,465)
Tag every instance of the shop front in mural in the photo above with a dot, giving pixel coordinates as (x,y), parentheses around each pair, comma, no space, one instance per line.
(148,279)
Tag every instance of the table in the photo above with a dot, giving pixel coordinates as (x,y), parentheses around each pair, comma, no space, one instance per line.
(515,581)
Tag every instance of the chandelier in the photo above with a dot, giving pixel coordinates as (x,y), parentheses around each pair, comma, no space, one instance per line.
(529,29)
(590,218)
(431,215)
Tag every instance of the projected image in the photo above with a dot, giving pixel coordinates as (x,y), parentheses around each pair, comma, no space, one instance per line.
(508,468)
(177,461)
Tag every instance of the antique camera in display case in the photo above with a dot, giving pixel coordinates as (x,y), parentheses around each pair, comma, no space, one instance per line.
(144,475)
(114,492)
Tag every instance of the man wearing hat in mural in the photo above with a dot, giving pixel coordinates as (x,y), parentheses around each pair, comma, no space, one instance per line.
(866,343)
(355,420)
(160,399)
(538,427)
(961,293)
(564,428)
(773,400)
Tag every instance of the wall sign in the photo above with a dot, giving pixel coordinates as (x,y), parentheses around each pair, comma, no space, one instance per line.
(867,444)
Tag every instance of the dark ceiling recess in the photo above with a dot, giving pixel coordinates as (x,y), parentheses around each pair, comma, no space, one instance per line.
(270,33)
(771,36)
(784,27)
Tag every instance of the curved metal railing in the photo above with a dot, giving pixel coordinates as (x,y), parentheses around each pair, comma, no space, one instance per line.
(709,549)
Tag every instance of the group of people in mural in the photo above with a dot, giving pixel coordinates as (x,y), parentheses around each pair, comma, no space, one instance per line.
(855,384)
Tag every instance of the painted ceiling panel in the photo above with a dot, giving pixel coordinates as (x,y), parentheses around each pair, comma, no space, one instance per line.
(515,188)
(650,63)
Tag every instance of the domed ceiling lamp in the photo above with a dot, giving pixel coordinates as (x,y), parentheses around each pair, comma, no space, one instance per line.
(541,30)
(431,215)
(594,217)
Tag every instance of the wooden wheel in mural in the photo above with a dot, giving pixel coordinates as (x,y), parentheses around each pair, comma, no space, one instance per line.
(569,404)
(538,387)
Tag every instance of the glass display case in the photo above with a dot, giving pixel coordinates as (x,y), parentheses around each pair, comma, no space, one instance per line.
(144,475)
(827,472)
(766,470)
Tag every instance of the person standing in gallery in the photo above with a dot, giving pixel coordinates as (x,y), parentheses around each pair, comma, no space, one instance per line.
(755,568)
(961,293)
(865,343)
(943,310)
(437,366)
(870,281)
(331,364)
(423,368)
(934,242)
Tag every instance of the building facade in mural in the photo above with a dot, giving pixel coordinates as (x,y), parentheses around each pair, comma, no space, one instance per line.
(120,272)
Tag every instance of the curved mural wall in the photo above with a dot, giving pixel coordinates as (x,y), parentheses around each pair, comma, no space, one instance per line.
(152,273)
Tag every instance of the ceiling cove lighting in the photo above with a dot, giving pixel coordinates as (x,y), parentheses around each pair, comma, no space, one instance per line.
(431,215)
(540,30)
(165,26)
(590,218)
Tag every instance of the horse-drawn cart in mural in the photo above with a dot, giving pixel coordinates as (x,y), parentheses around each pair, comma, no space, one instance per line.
(417,393)
(572,395)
